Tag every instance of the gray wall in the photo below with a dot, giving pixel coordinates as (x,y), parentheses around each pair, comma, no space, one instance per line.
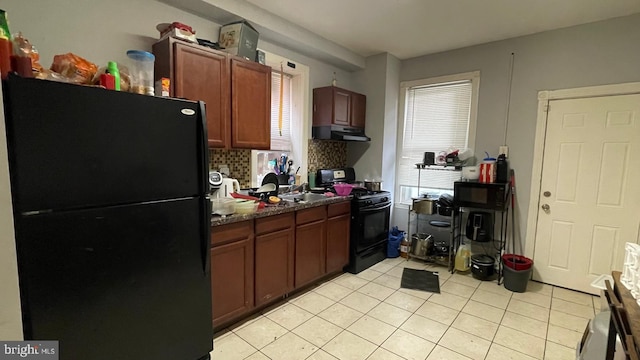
(600,53)
(379,81)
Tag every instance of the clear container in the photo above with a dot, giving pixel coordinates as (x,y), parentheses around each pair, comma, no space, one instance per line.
(141,71)
(246,206)
(223,206)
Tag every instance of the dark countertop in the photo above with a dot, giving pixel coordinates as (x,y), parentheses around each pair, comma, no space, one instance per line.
(284,207)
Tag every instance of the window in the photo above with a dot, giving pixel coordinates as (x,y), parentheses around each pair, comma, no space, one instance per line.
(439,114)
(296,123)
(281,135)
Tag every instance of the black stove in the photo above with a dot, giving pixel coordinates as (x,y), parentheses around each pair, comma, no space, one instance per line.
(369,196)
(370,211)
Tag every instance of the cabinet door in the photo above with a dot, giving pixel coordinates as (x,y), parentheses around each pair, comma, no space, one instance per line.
(323,106)
(204,75)
(358,110)
(338,242)
(250,105)
(274,264)
(231,280)
(341,107)
(310,252)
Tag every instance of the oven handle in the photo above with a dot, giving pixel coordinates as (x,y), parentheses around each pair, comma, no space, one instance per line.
(374,208)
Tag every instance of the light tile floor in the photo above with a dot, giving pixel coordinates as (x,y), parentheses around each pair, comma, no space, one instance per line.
(369,317)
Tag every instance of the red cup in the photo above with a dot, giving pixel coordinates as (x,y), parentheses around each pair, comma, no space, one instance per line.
(487,172)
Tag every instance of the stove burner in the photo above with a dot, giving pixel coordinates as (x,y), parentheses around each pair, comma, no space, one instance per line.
(359,192)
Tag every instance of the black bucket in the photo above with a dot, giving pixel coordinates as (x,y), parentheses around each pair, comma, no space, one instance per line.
(516,280)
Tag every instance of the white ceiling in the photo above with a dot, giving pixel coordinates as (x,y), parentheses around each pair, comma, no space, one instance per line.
(410,28)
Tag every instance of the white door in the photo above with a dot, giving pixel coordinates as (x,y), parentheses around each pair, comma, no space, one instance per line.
(589,204)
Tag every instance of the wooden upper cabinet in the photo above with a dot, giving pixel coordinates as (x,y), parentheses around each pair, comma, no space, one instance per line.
(198,74)
(341,107)
(335,106)
(251,105)
(358,110)
(237,92)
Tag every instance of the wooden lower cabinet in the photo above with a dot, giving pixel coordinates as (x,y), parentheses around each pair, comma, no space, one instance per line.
(311,229)
(338,226)
(255,262)
(274,253)
(232,272)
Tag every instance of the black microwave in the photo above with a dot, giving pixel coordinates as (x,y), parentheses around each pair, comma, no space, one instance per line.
(494,196)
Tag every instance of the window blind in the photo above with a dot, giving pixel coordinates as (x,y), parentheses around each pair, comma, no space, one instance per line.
(436,119)
(280,142)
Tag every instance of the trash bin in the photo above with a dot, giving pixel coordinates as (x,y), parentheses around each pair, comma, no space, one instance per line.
(395,237)
(516,272)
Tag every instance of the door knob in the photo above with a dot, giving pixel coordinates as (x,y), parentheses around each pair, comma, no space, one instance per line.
(546,207)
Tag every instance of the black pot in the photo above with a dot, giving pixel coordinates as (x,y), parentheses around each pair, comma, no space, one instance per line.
(444,210)
(482,266)
(440,248)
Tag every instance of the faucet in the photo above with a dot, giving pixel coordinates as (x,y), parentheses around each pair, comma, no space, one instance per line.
(293,188)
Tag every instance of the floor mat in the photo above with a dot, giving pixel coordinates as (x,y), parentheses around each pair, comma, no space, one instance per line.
(420,280)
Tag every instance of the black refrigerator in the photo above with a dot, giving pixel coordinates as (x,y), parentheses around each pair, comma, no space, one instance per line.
(112,220)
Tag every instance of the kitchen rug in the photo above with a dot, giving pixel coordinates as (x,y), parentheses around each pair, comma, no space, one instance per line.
(420,280)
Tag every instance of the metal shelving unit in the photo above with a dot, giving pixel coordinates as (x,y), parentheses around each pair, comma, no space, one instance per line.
(445,260)
(501,240)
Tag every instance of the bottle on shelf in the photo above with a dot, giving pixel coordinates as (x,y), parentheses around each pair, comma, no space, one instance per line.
(404,247)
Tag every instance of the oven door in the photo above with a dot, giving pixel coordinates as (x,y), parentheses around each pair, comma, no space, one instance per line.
(370,226)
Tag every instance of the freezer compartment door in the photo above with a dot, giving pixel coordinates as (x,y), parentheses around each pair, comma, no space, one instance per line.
(124,282)
(74,146)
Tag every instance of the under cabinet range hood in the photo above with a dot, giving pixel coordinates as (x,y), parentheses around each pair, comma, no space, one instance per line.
(335,132)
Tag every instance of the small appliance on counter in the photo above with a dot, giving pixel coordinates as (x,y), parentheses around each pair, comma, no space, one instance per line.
(215,181)
(226,187)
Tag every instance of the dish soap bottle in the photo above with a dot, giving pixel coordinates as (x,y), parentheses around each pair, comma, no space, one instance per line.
(463,258)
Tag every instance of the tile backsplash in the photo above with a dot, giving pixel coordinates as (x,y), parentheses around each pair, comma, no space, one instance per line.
(326,154)
(323,154)
(238,161)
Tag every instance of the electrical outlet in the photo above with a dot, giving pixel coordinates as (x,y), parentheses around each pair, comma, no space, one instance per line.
(504,150)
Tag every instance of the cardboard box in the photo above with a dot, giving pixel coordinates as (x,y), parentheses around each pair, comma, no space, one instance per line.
(239,38)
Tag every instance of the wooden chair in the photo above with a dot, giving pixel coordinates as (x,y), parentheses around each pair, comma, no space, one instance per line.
(619,324)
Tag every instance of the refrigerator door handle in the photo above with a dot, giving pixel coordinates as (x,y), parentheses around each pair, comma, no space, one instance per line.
(206,234)
(204,147)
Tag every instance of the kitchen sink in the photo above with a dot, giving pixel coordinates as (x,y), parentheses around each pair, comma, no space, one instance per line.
(307,197)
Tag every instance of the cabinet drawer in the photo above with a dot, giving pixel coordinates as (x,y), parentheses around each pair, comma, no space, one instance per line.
(339,209)
(309,215)
(274,223)
(231,232)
